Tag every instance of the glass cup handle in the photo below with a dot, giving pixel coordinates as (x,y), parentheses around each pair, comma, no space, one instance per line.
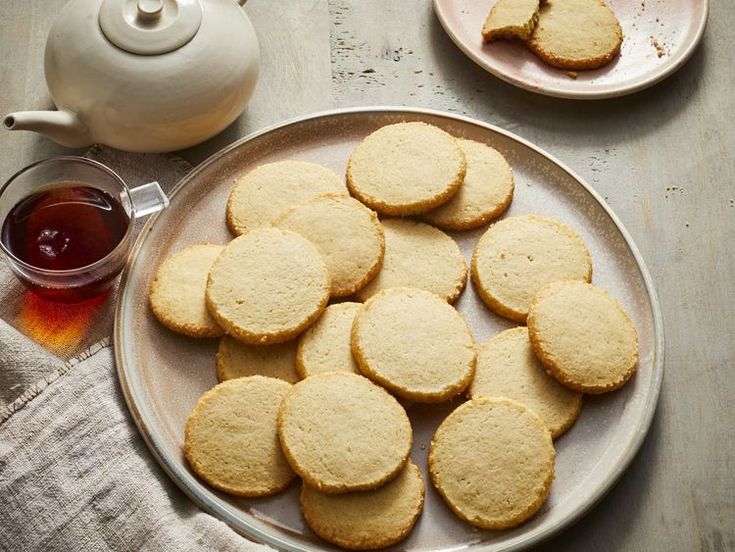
(148,199)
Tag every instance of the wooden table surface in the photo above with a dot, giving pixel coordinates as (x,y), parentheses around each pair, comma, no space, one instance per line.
(663,159)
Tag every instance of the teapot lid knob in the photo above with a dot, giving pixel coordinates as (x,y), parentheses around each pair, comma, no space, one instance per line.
(150,9)
(150,27)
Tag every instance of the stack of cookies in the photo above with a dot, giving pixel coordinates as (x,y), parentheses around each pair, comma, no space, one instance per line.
(335,315)
(568,34)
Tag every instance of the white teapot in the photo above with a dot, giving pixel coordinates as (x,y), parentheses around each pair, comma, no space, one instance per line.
(145,75)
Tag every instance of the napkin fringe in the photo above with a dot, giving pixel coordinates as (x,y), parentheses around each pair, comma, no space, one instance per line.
(39,387)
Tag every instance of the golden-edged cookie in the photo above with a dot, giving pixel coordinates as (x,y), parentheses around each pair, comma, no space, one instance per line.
(518,255)
(507,367)
(367,520)
(421,256)
(485,194)
(326,345)
(268,190)
(177,292)
(414,344)
(267,286)
(348,235)
(576,34)
(231,440)
(406,169)
(492,460)
(511,19)
(340,432)
(583,337)
(236,359)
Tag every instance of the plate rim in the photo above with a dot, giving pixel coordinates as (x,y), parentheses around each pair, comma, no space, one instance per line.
(654,78)
(191,487)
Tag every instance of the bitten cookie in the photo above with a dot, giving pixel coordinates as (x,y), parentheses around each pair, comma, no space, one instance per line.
(267,286)
(236,359)
(406,169)
(325,345)
(492,460)
(177,292)
(231,441)
(583,337)
(511,19)
(369,519)
(348,235)
(518,255)
(414,344)
(576,34)
(507,367)
(420,256)
(485,194)
(329,433)
(268,190)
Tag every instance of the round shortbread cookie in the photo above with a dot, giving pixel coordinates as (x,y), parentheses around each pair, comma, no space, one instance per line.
(406,169)
(485,194)
(325,345)
(420,256)
(518,255)
(267,286)
(492,460)
(348,235)
(231,440)
(576,34)
(414,344)
(268,190)
(507,367)
(177,292)
(367,520)
(328,431)
(583,337)
(236,359)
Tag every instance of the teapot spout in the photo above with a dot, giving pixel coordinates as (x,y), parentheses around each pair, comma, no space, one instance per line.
(63,127)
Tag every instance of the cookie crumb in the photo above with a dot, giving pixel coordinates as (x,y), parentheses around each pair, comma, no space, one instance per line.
(660,50)
(572,74)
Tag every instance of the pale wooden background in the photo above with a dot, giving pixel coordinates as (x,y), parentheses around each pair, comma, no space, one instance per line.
(679,493)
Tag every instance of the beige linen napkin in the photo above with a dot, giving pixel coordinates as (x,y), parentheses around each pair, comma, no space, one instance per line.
(74,472)
(75,475)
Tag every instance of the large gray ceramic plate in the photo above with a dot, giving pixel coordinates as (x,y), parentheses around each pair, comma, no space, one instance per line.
(162,374)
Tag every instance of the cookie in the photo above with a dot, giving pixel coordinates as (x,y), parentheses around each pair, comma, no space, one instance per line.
(236,359)
(325,346)
(177,292)
(576,34)
(492,460)
(230,440)
(406,169)
(369,519)
(414,344)
(340,433)
(518,255)
(583,337)
(485,194)
(511,19)
(507,367)
(348,235)
(268,190)
(267,286)
(421,256)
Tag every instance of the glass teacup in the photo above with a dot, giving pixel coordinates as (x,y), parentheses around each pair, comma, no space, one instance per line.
(67,226)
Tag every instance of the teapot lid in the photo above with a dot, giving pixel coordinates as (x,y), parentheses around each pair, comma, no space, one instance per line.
(150,27)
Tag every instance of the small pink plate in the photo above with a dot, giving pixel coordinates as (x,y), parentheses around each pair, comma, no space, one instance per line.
(658,37)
